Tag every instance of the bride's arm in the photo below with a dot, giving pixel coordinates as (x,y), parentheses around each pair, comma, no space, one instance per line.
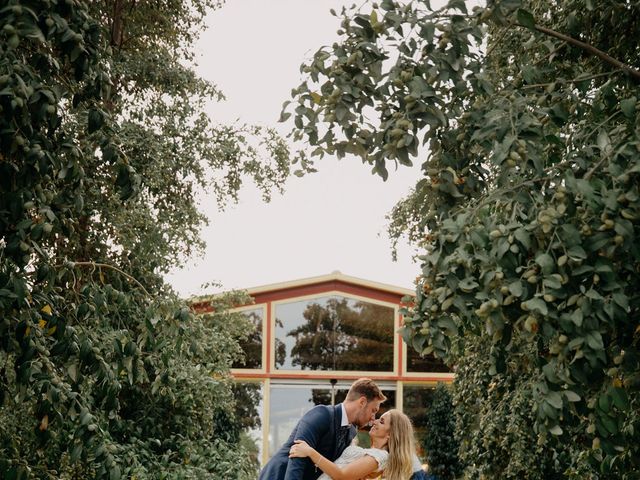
(355,470)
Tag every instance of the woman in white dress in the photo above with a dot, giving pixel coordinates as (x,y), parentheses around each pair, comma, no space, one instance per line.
(391,451)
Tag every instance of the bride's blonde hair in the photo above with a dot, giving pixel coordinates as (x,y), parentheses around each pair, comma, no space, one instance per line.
(401,447)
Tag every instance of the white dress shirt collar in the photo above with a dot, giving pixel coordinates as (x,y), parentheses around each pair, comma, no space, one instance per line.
(345,419)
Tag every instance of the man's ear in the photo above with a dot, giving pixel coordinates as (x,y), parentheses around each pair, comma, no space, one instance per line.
(362,401)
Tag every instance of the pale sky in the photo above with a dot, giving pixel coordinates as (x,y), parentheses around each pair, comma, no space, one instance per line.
(327,221)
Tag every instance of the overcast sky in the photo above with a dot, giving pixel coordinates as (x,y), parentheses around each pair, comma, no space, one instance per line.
(327,221)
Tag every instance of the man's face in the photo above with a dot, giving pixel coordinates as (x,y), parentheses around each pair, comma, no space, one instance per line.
(367,412)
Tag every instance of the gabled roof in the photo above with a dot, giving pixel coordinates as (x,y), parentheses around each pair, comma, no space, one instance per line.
(335,276)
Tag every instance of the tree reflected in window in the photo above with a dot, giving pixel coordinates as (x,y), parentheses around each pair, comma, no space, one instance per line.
(279,347)
(252,345)
(417,363)
(416,400)
(336,333)
(249,398)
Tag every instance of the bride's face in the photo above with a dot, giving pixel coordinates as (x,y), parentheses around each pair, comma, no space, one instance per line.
(381,427)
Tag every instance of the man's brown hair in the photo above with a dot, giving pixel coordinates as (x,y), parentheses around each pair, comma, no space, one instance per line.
(365,387)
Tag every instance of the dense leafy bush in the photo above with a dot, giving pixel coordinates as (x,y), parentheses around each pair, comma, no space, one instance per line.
(104,144)
(527,212)
(439,441)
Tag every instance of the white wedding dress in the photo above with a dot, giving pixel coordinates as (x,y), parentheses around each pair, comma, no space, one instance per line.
(354,452)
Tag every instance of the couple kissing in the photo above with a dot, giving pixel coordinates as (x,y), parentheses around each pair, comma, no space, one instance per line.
(320,445)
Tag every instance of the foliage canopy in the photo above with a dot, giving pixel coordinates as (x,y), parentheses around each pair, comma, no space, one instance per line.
(104,145)
(527,211)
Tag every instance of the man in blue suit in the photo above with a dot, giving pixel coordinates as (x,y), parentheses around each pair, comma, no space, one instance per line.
(328,429)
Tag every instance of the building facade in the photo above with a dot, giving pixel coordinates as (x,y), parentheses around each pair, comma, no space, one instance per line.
(313,337)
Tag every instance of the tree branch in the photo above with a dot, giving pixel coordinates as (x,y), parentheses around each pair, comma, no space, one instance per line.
(589,48)
(573,80)
(106,265)
(497,41)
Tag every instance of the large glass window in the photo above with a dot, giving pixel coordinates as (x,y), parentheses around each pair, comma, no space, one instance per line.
(419,364)
(249,398)
(252,346)
(289,403)
(415,403)
(334,333)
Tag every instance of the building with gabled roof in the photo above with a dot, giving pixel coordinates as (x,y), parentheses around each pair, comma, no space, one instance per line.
(316,335)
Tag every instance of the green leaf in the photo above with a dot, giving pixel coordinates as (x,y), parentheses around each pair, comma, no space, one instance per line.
(560,113)
(72,370)
(114,473)
(427,31)
(555,399)
(553,281)
(536,305)
(604,142)
(526,19)
(581,270)
(597,241)
(577,253)
(593,294)
(96,120)
(530,73)
(446,323)
(417,342)
(523,237)
(576,342)
(570,235)
(620,398)
(7,293)
(546,263)
(594,340)
(628,107)
(549,371)
(447,303)
(584,187)
(85,417)
(549,411)
(467,285)
(317,98)
(35,33)
(577,317)
(609,423)
(76,452)
(459,4)
(621,300)
(515,288)
(604,403)
(284,116)
(571,396)
(555,430)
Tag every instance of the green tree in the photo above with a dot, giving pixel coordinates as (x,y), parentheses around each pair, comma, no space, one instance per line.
(104,145)
(439,439)
(174,147)
(527,211)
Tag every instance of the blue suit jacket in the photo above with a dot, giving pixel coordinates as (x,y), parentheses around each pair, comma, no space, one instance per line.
(319,428)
